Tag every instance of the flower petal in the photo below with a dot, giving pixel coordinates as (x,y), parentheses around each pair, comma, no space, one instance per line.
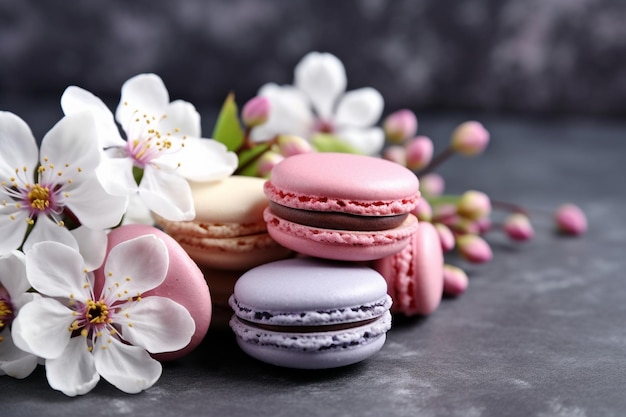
(73,373)
(41,328)
(76,100)
(136,265)
(359,108)
(71,147)
(19,148)
(167,194)
(182,119)
(92,245)
(290,113)
(157,324)
(368,141)
(93,206)
(143,94)
(24,298)
(137,212)
(56,270)
(13,273)
(322,77)
(14,362)
(116,175)
(202,160)
(129,368)
(47,230)
(13,229)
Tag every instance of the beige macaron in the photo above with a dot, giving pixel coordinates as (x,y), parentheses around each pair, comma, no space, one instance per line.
(229,232)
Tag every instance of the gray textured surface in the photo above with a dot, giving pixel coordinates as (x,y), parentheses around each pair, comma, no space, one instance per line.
(531,55)
(540,331)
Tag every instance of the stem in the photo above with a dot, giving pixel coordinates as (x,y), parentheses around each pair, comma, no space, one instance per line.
(246,143)
(250,145)
(505,205)
(436,161)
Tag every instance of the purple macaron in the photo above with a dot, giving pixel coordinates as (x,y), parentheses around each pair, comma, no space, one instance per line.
(311,314)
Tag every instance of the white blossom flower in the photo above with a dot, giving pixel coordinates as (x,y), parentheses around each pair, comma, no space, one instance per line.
(318,102)
(84,332)
(44,187)
(163,148)
(13,296)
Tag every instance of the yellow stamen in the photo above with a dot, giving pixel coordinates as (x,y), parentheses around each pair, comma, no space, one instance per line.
(39,197)
(97,312)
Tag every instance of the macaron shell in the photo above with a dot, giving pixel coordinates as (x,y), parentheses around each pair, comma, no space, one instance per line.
(235,199)
(339,244)
(343,182)
(303,360)
(237,253)
(306,284)
(184,283)
(313,350)
(219,230)
(415,275)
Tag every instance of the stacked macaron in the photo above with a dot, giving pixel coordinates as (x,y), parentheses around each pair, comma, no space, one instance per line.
(341,206)
(328,309)
(228,235)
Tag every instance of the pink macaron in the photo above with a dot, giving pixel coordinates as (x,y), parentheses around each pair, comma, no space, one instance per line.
(184,283)
(415,275)
(341,206)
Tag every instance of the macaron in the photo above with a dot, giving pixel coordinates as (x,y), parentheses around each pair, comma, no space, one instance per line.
(228,231)
(310,314)
(415,275)
(341,206)
(184,283)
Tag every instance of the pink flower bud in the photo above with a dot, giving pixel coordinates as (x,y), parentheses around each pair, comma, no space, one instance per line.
(455,280)
(570,219)
(446,237)
(474,248)
(419,153)
(267,162)
(445,213)
(464,226)
(469,138)
(395,153)
(423,211)
(256,111)
(432,185)
(518,227)
(474,205)
(400,125)
(483,224)
(289,145)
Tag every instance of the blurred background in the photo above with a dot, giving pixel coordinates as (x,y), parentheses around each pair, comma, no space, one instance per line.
(546,57)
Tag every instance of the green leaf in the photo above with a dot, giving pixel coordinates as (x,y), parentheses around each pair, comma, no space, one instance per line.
(325,142)
(248,159)
(227,129)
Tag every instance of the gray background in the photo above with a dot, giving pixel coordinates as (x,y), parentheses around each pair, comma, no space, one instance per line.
(539,56)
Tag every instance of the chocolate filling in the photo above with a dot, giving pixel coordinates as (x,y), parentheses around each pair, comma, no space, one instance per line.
(308,329)
(337,221)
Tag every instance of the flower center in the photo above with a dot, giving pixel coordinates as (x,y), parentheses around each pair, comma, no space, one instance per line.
(39,197)
(92,318)
(145,142)
(96,312)
(47,196)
